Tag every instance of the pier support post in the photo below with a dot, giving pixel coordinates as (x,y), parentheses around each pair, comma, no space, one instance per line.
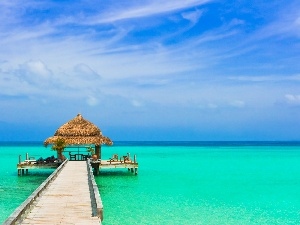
(135,171)
(20,160)
(22,171)
(131,170)
(97,171)
(96,167)
(100,213)
(98,151)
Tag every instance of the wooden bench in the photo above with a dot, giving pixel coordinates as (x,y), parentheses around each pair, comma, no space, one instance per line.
(78,157)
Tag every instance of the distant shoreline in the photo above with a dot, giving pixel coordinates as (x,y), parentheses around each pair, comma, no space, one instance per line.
(172,143)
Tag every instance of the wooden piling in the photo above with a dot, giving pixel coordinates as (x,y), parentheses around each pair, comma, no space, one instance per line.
(98,151)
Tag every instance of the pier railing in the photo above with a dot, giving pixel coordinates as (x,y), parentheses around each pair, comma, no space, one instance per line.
(21,211)
(96,201)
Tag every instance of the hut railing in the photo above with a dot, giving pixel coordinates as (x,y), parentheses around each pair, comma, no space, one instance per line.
(21,211)
(96,201)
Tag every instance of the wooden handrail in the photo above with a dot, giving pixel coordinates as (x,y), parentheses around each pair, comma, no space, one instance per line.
(26,205)
(94,191)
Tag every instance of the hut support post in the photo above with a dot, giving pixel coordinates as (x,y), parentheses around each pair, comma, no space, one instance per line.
(98,151)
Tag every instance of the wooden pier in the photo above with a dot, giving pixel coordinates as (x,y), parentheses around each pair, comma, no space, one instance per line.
(70,194)
(113,163)
(31,163)
(70,198)
(116,162)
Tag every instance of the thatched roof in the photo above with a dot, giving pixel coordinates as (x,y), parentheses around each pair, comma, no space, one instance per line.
(79,131)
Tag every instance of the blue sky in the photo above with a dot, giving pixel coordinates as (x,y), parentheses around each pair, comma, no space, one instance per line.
(151,70)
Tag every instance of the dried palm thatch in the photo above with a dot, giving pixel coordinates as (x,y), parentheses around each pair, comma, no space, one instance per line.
(79,131)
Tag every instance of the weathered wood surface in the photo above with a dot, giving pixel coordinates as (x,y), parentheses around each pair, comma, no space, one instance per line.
(118,164)
(19,213)
(66,200)
(38,166)
(108,164)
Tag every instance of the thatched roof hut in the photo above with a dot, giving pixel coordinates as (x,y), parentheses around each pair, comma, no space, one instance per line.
(79,131)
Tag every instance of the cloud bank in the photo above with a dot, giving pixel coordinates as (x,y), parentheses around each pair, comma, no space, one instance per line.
(196,64)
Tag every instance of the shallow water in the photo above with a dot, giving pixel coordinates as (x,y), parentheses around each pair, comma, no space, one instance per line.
(182,183)
(15,189)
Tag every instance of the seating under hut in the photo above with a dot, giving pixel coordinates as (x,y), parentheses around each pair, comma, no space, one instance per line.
(79,133)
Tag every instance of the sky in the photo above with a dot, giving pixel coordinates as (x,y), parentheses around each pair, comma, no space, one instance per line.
(151,70)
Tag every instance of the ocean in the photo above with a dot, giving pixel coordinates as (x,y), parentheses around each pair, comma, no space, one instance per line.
(180,182)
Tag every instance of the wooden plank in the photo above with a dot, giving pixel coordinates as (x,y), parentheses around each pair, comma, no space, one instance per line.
(25,206)
(31,164)
(66,200)
(109,166)
(117,164)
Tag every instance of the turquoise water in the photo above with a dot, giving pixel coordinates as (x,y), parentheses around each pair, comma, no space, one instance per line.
(183,183)
(15,189)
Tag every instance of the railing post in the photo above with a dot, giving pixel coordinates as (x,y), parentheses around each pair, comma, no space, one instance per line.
(128,155)
(94,191)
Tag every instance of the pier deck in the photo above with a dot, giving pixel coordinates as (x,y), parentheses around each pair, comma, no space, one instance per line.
(109,164)
(66,200)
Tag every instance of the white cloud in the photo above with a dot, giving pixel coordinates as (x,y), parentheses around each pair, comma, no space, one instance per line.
(165,66)
(92,101)
(85,72)
(237,103)
(266,78)
(292,99)
(35,72)
(146,9)
(136,103)
(192,16)
(285,24)
(37,67)
(236,22)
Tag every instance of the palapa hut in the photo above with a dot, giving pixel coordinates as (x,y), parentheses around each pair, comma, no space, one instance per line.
(80,131)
